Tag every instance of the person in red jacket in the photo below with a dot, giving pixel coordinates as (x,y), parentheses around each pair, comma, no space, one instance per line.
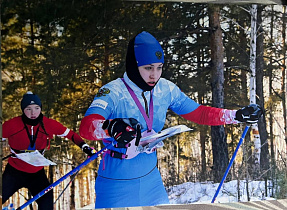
(29,132)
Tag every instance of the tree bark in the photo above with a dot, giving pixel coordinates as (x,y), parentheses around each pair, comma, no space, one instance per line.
(264,163)
(1,141)
(202,128)
(284,73)
(247,157)
(218,137)
(271,107)
(255,131)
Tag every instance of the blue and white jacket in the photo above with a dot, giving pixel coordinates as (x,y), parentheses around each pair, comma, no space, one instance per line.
(114,101)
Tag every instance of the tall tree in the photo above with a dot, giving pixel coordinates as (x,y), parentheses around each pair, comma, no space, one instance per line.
(271,106)
(253,40)
(218,136)
(1,119)
(260,66)
(284,72)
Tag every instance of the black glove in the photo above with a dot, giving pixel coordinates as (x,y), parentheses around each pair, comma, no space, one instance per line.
(88,150)
(123,130)
(249,114)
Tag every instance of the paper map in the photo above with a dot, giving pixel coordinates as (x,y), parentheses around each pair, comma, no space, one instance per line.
(35,158)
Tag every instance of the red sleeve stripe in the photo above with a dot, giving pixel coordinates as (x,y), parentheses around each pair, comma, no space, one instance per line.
(205,115)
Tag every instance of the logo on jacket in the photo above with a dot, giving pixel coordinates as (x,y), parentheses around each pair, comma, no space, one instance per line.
(103,92)
(158,54)
(99,103)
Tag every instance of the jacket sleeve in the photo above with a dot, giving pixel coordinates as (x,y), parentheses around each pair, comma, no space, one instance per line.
(91,127)
(11,126)
(211,116)
(62,131)
(5,130)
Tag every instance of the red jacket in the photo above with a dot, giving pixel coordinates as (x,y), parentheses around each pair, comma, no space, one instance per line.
(18,139)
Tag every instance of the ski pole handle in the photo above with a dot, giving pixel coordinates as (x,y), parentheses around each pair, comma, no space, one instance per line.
(75,170)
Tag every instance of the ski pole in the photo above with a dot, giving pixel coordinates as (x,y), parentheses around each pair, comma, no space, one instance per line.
(75,170)
(4,158)
(230,162)
(72,179)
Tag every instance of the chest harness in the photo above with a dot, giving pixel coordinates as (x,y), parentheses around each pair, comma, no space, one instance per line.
(32,145)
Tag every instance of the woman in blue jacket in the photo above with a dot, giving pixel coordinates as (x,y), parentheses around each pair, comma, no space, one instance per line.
(136,105)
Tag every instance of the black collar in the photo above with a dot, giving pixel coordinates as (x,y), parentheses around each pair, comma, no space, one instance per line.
(32,122)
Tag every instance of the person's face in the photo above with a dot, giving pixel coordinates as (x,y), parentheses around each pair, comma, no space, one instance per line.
(32,111)
(151,73)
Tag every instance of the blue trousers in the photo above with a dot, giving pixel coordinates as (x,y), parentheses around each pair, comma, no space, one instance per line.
(144,191)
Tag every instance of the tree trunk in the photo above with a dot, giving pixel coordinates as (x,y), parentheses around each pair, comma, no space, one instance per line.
(202,134)
(59,187)
(202,129)
(1,141)
(72,196)
(247,157)
(284,73)
(264,163)
(271,107)
(255,132)
(218,137)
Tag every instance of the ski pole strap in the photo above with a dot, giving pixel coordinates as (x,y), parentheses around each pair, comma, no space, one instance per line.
(116,154)
(121,145)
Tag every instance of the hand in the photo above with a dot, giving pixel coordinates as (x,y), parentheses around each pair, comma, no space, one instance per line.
(88,150)
(123,130)
(249,114)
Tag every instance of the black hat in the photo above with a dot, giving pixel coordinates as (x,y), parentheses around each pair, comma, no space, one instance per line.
(28,99)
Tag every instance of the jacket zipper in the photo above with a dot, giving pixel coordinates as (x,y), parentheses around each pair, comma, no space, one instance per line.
(32,133)
(146,105)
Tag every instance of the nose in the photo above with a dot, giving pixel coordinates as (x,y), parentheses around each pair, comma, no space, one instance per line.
(152,73)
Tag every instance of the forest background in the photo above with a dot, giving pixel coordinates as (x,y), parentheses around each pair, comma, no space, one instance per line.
(64,51)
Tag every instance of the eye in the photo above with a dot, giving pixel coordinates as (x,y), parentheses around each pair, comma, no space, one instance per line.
(148,68)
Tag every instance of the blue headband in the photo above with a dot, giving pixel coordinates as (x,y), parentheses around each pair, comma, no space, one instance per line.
(147,49)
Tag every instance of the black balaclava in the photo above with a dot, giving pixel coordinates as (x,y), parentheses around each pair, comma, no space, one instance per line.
(32,122)
(148,50)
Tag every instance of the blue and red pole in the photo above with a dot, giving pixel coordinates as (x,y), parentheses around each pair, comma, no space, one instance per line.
(230,162)
(75,170)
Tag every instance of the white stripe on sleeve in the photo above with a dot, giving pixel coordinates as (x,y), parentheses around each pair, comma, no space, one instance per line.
(65,133)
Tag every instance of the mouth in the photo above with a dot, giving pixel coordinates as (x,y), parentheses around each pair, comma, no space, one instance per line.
(151,83)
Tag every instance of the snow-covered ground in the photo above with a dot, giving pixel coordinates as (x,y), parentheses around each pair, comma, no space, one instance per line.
(190,192)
